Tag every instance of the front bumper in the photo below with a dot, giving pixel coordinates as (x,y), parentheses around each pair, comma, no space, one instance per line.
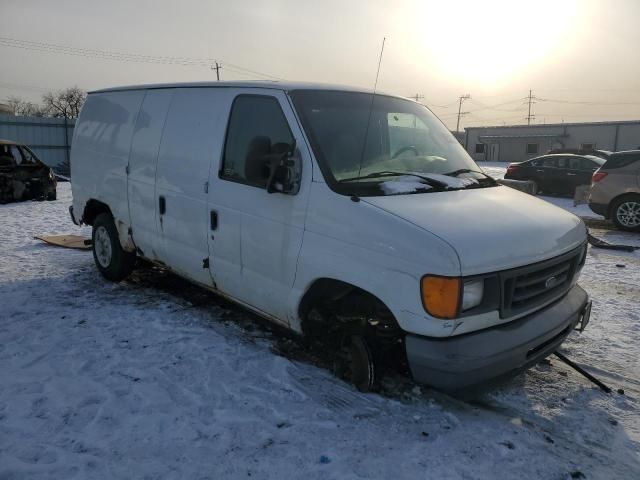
(478,358)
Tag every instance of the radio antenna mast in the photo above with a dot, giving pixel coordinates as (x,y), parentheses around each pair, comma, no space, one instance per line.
(375,86)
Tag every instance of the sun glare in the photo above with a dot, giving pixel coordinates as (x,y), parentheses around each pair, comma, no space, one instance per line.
(488,41)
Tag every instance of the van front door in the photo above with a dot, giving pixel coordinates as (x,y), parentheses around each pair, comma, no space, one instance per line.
(255,236)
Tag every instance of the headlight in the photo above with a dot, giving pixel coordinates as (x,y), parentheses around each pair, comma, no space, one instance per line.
(51,175)
(472,294)
(449,297)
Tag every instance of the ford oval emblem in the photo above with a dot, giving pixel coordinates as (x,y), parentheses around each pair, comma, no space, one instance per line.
(551,282)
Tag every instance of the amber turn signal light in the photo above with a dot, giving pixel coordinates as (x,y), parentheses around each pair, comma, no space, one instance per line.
(441,296)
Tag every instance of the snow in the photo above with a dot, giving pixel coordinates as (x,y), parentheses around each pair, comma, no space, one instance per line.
(498,169)
(403,184)
(411,183)
(155,378)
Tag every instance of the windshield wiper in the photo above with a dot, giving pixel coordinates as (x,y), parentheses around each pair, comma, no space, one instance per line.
(428,180)
(460,171)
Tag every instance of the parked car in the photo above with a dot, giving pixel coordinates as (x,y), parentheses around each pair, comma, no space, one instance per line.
(386,245)
(556,173)
(23,176)
(615,190)
(604,154)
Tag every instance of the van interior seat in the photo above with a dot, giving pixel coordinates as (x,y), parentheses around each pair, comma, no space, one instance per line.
(255,167)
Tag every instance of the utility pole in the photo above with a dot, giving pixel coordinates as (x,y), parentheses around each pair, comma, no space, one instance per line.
(531,99)
(217,69)
(417,97)
(460,112)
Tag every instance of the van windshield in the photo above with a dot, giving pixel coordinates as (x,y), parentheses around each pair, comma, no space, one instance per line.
(365,143)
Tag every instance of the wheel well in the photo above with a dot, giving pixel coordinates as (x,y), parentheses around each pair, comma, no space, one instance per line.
(92,209)
(615,200)
(333,295)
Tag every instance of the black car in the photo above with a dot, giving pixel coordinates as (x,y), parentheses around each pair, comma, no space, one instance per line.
(556,173)
(23,176)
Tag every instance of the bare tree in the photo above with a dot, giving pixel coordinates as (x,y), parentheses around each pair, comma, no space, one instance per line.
(64,103)
(24,107)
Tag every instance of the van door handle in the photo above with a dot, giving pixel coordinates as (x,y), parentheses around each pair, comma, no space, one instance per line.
(571,174)
(214,219)
(162,205)
(540,171)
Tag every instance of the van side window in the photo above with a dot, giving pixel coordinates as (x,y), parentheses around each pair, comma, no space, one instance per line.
(257,131)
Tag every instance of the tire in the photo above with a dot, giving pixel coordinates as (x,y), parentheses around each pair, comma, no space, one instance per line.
(112,261)
(625,213)
(51,196)
(355,363)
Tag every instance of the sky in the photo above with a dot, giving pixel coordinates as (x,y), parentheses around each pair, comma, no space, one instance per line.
(579,57)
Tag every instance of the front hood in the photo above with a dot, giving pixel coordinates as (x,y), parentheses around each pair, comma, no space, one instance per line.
(491,229)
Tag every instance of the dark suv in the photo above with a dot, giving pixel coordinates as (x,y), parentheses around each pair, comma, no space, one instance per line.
(23,176)
(556,173)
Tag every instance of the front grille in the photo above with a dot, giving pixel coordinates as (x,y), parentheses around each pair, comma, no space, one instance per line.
(525,288)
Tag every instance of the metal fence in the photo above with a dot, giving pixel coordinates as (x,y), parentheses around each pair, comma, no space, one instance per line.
(49,138)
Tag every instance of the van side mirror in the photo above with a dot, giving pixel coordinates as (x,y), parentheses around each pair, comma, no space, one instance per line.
(285,170)
(274,166)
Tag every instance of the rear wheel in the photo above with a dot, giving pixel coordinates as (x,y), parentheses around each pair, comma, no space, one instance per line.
(625,213)
(112,261)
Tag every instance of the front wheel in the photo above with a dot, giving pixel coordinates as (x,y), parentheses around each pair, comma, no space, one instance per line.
(626,213)
(113,262)
(355,363)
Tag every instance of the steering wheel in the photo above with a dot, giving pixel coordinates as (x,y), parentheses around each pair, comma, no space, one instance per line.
(406,149)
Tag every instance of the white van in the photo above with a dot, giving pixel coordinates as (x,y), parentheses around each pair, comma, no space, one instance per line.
(351,217)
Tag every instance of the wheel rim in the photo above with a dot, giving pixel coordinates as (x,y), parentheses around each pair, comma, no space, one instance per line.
(628,214)
(102,246)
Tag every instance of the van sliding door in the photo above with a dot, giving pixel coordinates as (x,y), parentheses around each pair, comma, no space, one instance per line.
(186,153)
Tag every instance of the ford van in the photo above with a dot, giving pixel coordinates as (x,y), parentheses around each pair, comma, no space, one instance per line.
(350,217)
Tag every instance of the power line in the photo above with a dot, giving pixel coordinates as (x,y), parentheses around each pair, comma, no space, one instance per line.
(24,87)
(577,102)
(417,97)
(124,56)
(497,106)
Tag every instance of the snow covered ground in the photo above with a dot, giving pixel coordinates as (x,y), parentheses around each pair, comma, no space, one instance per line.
(498,169)
(153,378)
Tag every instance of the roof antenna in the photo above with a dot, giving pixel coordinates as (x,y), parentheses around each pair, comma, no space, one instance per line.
(375,86)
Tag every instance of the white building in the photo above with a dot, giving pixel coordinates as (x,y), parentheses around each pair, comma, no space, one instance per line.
(520,142)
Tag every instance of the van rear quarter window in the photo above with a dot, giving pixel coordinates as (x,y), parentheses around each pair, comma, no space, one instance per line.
(107,120)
